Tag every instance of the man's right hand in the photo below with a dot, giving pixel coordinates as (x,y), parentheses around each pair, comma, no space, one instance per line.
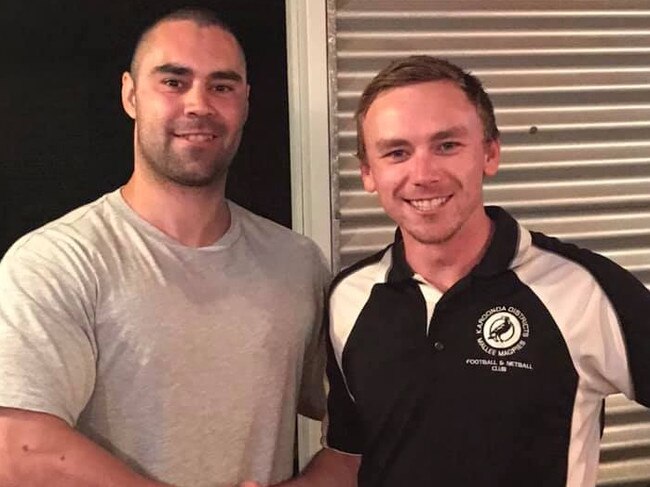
(328,468)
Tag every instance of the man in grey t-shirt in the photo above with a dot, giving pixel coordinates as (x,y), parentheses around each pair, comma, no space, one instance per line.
(162,335)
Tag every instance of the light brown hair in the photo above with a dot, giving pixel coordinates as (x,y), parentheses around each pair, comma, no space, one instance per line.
(422,69)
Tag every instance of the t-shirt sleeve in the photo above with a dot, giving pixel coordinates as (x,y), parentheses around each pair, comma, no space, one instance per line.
(311,400)
(47,351)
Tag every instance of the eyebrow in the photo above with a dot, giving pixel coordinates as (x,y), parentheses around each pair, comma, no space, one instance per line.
(386,144)
(180,70)
(455,131)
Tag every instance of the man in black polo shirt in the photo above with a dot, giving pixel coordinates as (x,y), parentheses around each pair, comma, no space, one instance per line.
(470,352)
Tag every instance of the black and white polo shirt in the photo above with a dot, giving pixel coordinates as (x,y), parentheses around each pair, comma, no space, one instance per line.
(497,382)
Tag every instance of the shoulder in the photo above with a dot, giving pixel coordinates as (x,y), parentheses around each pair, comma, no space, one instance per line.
(609,275)
(361,277)
(569,277)
(70,239)
(55,267)
(268,236)
(606,306)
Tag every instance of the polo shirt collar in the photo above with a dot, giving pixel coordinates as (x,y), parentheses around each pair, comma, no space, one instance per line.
(497,258)
(503,246)
(399,270)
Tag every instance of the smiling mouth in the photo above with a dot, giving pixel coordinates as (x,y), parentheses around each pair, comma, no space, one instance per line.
(198,137)
(429,203)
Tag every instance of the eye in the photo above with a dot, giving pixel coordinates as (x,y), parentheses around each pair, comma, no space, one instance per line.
(448,147)
(396,155)
(222,88)
(172,83)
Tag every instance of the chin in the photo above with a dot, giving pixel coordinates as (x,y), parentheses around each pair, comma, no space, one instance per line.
(432,239)
(198,181)
(432,236)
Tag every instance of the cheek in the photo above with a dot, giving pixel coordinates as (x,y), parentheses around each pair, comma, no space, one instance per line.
(152,113)
(392,175)
(380,182)
(233,109)
(472,185)
(470,171)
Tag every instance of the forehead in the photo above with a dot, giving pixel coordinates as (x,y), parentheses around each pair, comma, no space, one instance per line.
(438,103)
(200,48)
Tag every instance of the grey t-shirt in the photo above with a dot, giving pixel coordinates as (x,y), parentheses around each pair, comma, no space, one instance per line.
(187,363)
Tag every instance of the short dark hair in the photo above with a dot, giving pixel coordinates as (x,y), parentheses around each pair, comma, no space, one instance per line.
(201,16)
(421,69)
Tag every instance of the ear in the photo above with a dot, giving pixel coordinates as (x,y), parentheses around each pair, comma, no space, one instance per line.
(128,94)
(367,177)
(492,157)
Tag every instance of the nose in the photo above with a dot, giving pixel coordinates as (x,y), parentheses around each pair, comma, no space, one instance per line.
(424,168)
(197,102)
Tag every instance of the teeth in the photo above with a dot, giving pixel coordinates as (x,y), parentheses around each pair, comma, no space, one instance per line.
(429,204)
(198,137)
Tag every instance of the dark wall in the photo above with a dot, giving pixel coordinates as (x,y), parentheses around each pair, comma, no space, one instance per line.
(65,139)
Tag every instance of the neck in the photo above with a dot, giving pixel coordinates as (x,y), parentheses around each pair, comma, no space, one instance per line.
(444,264)
(195,217)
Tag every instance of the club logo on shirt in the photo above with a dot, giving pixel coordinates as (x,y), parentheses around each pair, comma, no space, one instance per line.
(502,331)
